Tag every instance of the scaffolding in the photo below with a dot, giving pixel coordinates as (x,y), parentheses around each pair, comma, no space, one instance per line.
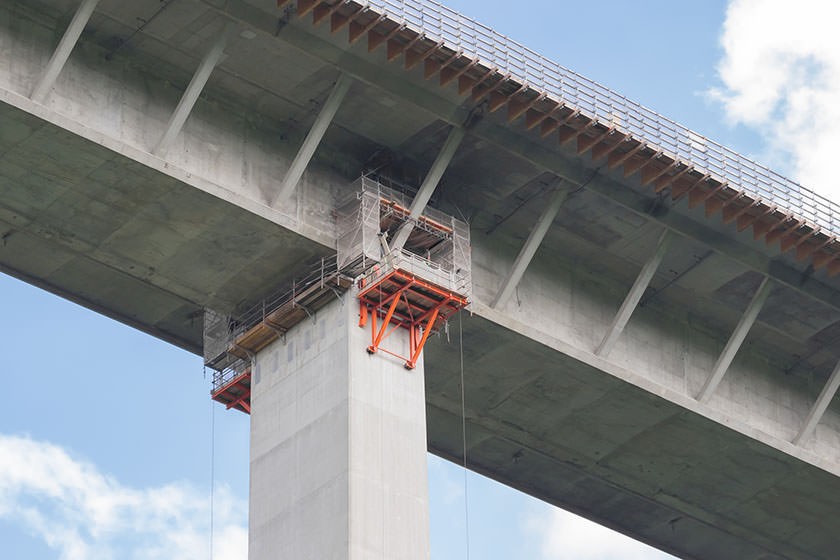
(416,288)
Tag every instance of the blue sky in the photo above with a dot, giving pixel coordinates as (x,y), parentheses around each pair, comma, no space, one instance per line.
(105,433)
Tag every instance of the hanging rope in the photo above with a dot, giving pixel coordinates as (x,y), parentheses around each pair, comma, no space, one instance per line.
(464,436)
(212,469)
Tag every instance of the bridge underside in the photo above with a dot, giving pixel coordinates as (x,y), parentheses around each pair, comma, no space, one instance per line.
(88,212)
(571,434)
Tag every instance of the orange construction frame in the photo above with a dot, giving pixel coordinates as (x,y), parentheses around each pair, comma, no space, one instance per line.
(236,393)
(403,300)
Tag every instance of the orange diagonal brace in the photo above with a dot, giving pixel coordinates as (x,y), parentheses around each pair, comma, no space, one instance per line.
(385,322)
(413,360)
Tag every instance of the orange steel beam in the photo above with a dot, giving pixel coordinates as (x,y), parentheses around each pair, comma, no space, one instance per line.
(412,362)
(393,307)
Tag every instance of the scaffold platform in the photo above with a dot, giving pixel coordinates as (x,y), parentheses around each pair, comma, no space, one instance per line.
(397,298)
(233,390)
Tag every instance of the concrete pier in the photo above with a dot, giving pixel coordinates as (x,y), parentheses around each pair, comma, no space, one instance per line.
(338,445)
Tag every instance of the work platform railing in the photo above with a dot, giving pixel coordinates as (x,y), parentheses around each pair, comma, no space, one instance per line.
(489,50)
(416,287)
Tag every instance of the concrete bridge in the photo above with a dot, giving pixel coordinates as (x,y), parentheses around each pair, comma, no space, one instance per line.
(651,340)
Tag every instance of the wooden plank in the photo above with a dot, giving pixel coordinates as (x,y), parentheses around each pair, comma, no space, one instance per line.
(793,241)
(430,68)
(777,234)
(584,144)
(697,197)
(821,259)
(447,75)
(497,101)
(395,49)
(305,6)
(413,58)
(534,117)
(760,229)
(807,249)
(550,125)
(650,174)
(465,84)
(617,158)
(605,149)
(630,167)
(663,182)
(732,212)
(715,204)
(322,12)
(678,192)
(747,220)
(565,138)
(375,40)
(517,108)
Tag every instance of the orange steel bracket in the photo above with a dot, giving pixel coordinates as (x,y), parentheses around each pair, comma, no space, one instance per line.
(403,300)
(236,393)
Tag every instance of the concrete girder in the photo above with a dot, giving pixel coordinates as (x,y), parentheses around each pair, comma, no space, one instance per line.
(430,183)
(735,341)
(63,50)
(529,249)
(190,95)
(634,295)
(313,138)
(822,402)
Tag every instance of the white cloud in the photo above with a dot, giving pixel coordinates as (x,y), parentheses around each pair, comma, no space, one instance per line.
(781,75)
(565,536)
(85,514)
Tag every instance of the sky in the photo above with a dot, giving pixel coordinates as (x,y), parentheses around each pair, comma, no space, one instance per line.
(110,446)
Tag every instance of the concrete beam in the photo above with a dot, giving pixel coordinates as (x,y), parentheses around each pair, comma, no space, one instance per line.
(735,341)
(573,170)
(820,406)
(430,183)
(632,299)
(313,138)
(529,249)
(190,95)
(63,50)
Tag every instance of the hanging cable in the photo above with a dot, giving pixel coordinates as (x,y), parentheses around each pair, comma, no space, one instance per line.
(464,436)
(212,469)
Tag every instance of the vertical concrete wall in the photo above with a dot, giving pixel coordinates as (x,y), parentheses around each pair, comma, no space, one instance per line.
(338,446)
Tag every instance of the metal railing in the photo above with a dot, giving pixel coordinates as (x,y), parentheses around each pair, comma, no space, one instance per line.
(436,273)
(438,23)
(228,374)
(322,271)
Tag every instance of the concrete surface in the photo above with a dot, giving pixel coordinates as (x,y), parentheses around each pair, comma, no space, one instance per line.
(338,446)
(88,212)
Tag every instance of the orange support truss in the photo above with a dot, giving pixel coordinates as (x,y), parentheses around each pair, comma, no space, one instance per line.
(402,300)
(236,393)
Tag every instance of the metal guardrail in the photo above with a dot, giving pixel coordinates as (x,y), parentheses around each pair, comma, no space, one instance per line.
(495,51)
(225,376)
(401,259)
(322,271)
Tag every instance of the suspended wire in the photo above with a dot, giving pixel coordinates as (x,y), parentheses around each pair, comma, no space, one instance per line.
(212,469)
(464,437)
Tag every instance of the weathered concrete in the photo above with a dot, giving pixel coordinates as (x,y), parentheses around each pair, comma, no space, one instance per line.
(338,446)
(87,211)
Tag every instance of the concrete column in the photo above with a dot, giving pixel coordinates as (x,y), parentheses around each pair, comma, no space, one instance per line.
(338,445)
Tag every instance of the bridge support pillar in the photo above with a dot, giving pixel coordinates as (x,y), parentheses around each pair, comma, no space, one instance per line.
(338,445)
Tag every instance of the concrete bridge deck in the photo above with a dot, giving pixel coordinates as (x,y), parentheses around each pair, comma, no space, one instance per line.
(632,433)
